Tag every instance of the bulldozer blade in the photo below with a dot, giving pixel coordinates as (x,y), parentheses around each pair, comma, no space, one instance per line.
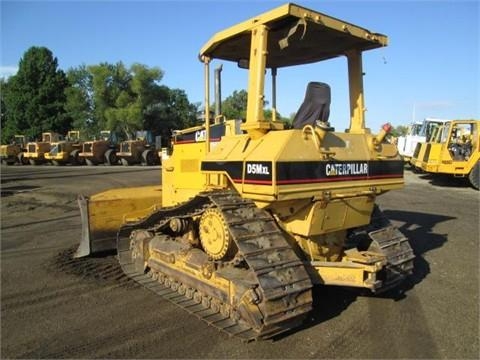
(104,213)
(107,242)
(84,246)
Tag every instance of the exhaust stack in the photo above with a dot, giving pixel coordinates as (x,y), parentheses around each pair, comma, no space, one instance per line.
(218,91)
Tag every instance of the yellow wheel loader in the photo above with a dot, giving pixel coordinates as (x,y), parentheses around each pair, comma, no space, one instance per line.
(250,216)
(140,150)
(66,151)
(100,151)
(13,153)
(454,151)
(36,151)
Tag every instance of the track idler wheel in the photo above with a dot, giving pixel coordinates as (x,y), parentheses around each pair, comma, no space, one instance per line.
(215,236)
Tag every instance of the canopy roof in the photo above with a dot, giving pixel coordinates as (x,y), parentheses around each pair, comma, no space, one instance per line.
(296,36)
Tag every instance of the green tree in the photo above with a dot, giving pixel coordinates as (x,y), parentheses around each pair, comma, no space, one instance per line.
(79,104)
(139,91)
(35,98)
(3,109)
(108,82)
(235,105)
(114,97)
(399,130)
(172,111)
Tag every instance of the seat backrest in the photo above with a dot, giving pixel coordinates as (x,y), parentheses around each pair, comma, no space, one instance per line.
(315,106)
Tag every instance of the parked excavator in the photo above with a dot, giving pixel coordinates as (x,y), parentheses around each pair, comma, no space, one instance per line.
(250,215)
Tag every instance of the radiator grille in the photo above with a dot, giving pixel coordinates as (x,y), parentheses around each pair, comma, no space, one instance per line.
(125,147)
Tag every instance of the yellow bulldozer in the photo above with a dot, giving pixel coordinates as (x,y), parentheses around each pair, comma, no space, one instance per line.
(250,215)
(13,153)
(66,151)
(36,150)
(454,150)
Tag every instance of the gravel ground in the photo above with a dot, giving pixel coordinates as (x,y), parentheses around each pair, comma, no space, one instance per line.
(56,307)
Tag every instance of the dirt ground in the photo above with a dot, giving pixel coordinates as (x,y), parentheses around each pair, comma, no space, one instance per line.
(56,307)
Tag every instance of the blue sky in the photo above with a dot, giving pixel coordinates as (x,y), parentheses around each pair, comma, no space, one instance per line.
(429,69)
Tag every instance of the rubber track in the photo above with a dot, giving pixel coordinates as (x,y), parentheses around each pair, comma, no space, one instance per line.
(282,280)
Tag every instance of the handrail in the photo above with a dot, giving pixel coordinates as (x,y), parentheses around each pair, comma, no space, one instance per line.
(316,141)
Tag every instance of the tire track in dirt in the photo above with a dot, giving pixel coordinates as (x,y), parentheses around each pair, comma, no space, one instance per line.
(102,269)
(54,297)
(14,253)
(122,342)
(347,341)
(104,273)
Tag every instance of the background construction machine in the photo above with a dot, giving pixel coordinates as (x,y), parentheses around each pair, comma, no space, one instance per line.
(405,143)
(13,153)
(246,224)
(140,150)
(419,132)
(36,151)
(420,148)
(100,151)
(66,151)
(455,150)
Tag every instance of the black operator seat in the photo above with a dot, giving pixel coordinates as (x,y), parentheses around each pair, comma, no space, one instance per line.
(315,106)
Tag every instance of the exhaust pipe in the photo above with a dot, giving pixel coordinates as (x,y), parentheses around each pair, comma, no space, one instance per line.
(218,91)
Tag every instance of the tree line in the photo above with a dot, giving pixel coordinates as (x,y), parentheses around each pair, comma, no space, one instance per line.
(41,97)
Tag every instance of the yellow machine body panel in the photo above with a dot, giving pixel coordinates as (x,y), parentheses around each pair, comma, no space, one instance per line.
(181,176)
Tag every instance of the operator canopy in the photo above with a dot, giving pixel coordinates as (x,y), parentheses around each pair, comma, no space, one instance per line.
(296,36)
